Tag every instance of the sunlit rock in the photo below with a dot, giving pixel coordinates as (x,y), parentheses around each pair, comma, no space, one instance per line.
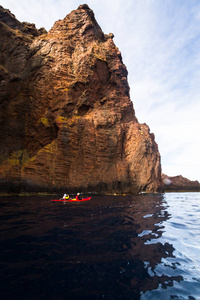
(67,121)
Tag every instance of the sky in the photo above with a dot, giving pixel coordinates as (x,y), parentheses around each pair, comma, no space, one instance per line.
(160,42)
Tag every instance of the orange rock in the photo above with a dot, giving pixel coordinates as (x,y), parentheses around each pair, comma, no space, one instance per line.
(67,117)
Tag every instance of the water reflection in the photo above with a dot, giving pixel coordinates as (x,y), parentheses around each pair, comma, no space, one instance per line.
(108,248)
(146,252)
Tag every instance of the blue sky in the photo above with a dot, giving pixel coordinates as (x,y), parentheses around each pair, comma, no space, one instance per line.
(159,42)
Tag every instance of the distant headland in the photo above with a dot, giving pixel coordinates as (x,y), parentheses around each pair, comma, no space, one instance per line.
(179,183)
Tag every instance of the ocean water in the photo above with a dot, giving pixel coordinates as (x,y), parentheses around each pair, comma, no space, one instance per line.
(111,247)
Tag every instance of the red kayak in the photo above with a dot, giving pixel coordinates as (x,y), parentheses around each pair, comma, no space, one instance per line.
(71,200)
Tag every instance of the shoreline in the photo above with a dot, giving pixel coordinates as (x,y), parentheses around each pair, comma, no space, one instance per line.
(39,194)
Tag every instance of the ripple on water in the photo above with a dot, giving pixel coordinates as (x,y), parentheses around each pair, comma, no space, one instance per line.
(144,232)
(148,216)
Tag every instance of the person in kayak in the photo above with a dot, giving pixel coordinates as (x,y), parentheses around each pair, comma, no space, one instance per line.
(65,196)
(78,196)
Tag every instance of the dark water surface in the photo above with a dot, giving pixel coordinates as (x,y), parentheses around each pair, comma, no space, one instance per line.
(131,247)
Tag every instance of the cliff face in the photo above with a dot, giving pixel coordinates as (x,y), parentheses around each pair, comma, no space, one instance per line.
(67,121)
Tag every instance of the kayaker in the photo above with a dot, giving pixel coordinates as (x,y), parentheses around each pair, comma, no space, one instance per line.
(65,196)
(78,196)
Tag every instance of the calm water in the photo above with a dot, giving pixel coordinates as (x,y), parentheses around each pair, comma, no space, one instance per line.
(132,247)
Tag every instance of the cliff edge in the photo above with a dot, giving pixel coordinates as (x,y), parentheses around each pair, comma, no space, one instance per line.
(67,121)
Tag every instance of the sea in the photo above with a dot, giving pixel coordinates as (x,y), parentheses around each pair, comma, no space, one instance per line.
(112,247)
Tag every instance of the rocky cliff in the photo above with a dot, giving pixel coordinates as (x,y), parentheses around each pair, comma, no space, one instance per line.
(67,121)
(179,183)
